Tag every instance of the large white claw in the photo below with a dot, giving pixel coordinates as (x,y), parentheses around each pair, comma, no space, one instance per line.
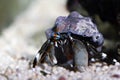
(80,55)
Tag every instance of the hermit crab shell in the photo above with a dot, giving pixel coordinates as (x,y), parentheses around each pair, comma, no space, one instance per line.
(76,24)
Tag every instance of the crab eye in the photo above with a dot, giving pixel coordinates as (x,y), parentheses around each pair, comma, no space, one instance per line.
(55,36)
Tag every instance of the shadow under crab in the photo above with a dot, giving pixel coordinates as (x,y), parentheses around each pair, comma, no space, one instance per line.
(70,42)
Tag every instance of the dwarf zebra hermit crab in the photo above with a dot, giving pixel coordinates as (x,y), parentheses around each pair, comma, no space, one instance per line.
(70,42)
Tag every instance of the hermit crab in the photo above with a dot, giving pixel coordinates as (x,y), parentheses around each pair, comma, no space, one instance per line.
(70,43)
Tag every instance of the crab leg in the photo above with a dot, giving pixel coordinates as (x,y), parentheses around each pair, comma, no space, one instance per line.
(41,53)
(80,61)
(50,57)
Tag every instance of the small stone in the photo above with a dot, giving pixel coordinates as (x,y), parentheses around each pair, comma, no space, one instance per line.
(62,78)
(116,75)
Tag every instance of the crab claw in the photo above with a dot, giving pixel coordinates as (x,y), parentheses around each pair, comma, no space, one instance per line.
(80,55)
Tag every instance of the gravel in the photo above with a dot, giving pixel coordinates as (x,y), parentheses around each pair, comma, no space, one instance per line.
(22,39)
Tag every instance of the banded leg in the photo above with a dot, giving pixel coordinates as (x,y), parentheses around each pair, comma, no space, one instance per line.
(45,54)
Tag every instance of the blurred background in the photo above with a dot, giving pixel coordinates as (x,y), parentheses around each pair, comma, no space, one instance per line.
(9,9)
